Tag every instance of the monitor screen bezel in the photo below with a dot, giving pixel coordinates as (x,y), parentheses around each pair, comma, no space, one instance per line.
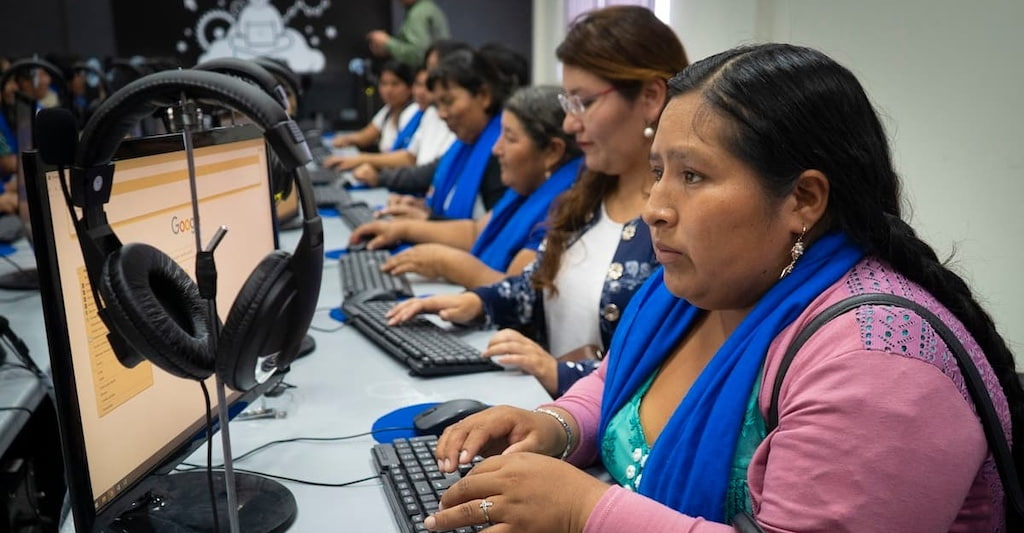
(87,517)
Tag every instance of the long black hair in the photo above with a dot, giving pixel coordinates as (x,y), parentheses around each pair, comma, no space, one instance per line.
(792,109)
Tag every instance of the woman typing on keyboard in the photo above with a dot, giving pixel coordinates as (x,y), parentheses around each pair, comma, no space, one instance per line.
(776,198)
(538,162)
(597,252)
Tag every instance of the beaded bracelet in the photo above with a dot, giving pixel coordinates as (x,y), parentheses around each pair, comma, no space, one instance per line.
(565,426)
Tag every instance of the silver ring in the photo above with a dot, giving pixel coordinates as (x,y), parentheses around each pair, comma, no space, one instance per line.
(484,506)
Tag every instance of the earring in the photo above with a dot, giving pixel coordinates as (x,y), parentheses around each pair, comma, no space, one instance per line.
(648,132)
(795,253)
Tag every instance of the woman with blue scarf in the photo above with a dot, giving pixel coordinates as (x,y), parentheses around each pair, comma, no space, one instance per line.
(538,162)
(469,92)
(775,198)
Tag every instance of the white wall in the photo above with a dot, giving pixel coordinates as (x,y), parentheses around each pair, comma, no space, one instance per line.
(946,76)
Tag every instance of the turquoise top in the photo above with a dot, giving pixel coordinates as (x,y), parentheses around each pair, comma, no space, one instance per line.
(624,449)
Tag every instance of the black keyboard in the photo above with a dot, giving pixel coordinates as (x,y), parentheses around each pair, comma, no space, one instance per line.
(325,176)
(331,195)
(424,347)
(360,272)
(355,214)
(412,482)
(319,152)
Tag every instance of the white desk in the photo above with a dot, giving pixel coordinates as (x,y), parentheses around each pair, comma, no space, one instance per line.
(19,387)
(341,389)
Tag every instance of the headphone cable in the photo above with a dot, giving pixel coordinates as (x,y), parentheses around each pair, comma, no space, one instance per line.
(209,455)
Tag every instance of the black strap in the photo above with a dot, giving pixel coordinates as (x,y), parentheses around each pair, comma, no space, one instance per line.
(997,441)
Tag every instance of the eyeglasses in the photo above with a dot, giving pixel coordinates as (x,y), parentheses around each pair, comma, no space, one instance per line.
(574,104)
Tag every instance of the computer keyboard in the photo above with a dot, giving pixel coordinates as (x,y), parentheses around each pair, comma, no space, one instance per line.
(412,482)
(360,272)
(424,347)
(325,176)
(355,214)
(331,195)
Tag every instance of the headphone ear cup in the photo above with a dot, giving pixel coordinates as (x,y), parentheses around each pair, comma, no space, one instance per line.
(154,305)
(258,324)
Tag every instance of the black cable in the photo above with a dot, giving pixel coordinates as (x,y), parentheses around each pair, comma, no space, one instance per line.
(209,454)
(26,409)
(15,265)
(296,480)
(305,439)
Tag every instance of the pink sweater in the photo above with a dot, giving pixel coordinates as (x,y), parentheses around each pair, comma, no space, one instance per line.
(875,429)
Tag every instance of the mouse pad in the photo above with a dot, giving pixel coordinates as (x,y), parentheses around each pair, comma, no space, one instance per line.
(399,418)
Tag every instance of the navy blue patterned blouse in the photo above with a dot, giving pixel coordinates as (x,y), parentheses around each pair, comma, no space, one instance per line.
(513,302)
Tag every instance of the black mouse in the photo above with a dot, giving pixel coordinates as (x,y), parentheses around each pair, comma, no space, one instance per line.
(372,295)
(361,245)
(433,420)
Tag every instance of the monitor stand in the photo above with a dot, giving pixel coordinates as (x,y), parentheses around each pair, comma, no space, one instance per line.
(20,280)
(180,503)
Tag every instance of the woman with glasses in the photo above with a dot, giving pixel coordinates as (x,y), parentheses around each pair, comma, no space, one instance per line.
(597,253)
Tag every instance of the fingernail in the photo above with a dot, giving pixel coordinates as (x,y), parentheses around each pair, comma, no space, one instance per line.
(430,522)
(463,457)
(440,466)
(447,465)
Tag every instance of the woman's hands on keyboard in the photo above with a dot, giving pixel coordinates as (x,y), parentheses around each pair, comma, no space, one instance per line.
(380,233)
(463,308)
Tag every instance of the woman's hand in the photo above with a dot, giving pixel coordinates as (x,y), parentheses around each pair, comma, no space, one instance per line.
(522,493)
(499,430)
(341,141)
(367,173)
(381,233)
(460,308)
(343,162)
(429,260)
(407,211)
(514,348)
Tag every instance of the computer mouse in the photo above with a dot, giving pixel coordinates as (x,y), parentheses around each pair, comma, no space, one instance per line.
(435,419)
(360,245)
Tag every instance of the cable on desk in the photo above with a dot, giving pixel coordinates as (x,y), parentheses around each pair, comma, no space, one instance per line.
(15,265)
(304,439)
(325,330)
(295,480)
(26,409)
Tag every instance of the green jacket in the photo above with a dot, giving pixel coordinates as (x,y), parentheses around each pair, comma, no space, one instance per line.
(424,23)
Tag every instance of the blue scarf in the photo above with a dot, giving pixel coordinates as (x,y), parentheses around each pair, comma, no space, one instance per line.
(515,217)
(405,136)
(689,464)
(5,130)
(462,168)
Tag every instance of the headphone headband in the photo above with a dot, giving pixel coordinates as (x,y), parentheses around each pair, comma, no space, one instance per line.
(141,98)
(248,71)
(22,64)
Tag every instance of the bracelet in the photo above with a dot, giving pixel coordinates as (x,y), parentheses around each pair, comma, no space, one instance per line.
(565,426)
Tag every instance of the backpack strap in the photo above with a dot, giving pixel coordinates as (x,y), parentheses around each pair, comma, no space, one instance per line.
(997,441)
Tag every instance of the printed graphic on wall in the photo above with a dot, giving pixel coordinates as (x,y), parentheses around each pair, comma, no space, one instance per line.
(258,29)
(304,33)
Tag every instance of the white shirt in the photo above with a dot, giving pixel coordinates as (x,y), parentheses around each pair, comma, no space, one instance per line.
(432,139)
(388,129)
(572,316)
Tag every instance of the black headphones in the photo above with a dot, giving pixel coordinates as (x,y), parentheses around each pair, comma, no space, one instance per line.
(150,306)
(281,178)
(55,73)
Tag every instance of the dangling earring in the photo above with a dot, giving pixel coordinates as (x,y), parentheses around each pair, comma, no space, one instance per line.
(648,132)
(795,253)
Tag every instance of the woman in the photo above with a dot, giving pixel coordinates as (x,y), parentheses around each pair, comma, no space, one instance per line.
(395,89)
(598,251)
(469,92)
(770,161)
(423,140)
(538,162)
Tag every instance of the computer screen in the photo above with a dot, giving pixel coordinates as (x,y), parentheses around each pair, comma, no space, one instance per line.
(118,424)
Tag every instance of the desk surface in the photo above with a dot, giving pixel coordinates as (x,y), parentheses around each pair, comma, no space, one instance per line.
(341,389)
(18,386)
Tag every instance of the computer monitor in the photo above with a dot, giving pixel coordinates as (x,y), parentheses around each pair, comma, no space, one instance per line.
(122,428)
